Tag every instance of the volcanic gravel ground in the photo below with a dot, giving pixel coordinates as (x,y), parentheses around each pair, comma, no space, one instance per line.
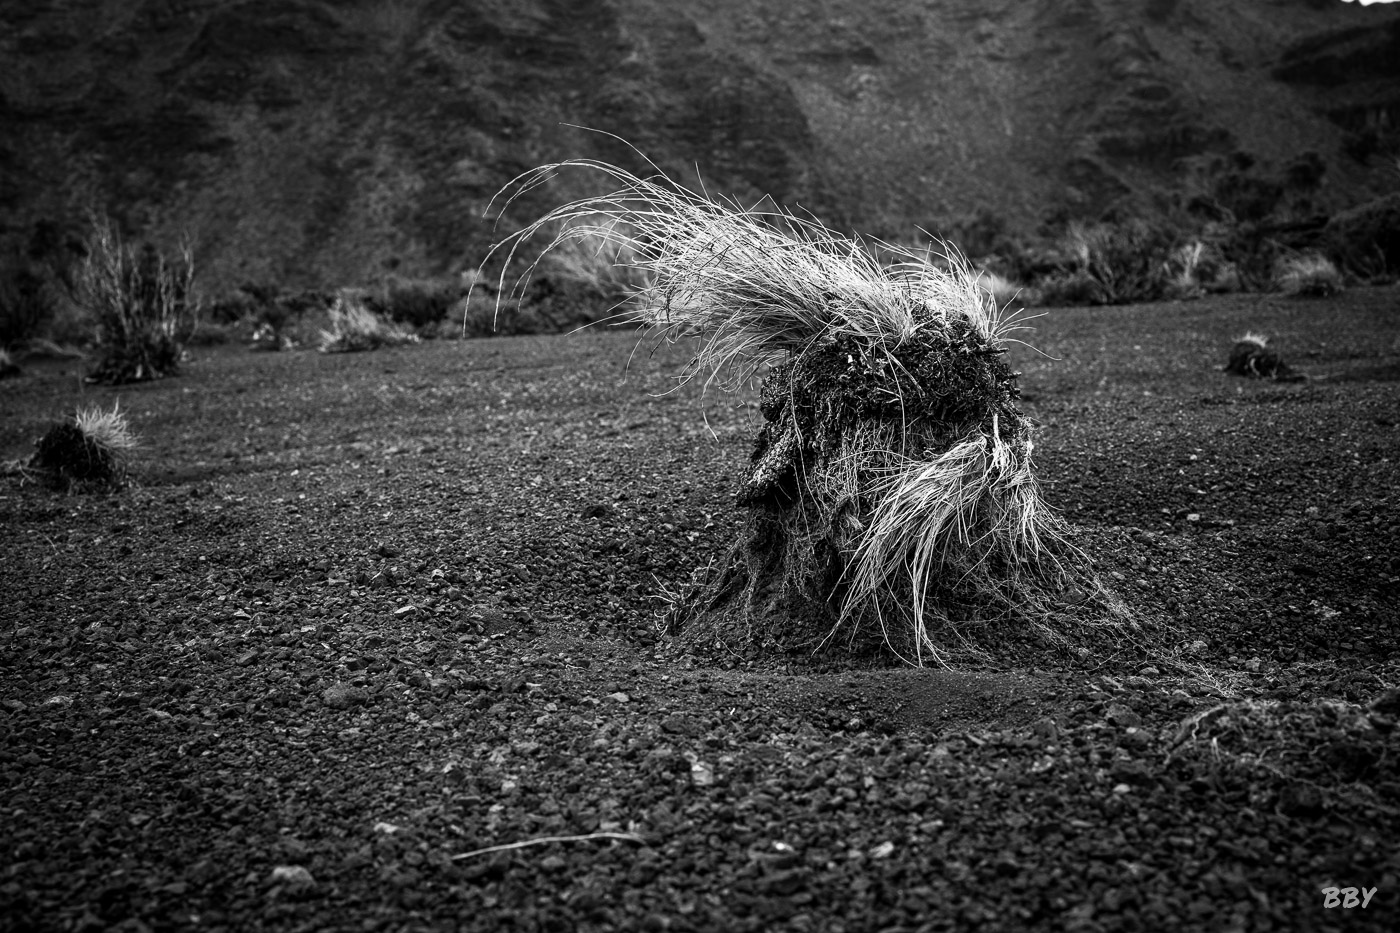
(361,615)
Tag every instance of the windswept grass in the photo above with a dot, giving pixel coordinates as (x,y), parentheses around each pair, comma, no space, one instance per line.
(891,493)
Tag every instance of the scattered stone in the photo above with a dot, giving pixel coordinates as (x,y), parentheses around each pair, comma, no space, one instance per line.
(619,697)
(292,874)
(344,696)
(1122,716)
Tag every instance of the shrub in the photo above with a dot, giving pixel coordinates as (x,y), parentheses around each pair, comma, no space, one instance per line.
(1196,268)
(142,303)
(91,449)
(1307,275)
(1002,292)
(8,367)
(354,327)
(1366,238)
(587,274)
(418,303)
(1111,264)
(28,303)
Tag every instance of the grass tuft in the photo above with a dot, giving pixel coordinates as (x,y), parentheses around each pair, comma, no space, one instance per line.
(891,496)
(90,450)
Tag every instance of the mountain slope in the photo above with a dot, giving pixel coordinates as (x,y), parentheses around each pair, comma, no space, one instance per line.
(320,142)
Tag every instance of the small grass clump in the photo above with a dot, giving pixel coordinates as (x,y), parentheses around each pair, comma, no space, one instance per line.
(89,450)
(891,501)
(1307,275)
(1253,358)
(142,303)
(354,327)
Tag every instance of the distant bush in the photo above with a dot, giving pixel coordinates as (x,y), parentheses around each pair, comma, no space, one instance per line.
(8,367)
(589,274)
(418,303)
(480,315)
(354,327)
(1197,268)
(28,303)
(1002,292)
(1366,238)
(1111,263)
(142,303)
(1307,275)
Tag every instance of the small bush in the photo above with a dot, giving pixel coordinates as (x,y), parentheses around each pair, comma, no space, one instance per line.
(587,275)
(1003,292)
(28,303)
(355,327)
(1307,275)
(8,367)
(89,450)
(418,303)
(142,303)
(1111,264)
(1197,268)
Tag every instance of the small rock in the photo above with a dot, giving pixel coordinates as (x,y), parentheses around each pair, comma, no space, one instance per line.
(1387,704)
(247,658)
(701,774)
(1047,729)
(292,874)
(1122,716)
(619,697)
(386,828)
(344,696)
(883,850)
(1135,738)
(15,706)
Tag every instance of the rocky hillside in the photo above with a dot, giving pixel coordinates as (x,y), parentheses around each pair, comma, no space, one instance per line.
(313,142)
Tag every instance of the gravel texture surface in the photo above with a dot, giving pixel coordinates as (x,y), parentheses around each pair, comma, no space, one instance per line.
(361,616)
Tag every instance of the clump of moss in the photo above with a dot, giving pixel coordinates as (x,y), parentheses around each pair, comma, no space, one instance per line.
(86,451)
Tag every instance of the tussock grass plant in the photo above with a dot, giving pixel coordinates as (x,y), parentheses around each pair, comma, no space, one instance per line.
(89,450)
(1307,275)
(891,500)
(355,327)
(1251,356)
(142,303)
